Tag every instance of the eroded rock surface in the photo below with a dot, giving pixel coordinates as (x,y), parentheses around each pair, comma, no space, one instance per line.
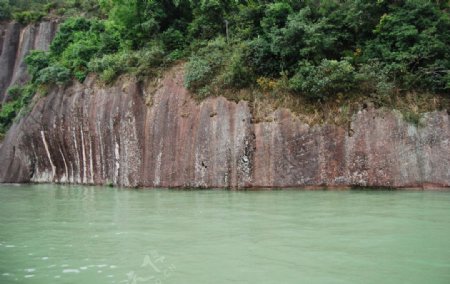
(129,136)
(16,42)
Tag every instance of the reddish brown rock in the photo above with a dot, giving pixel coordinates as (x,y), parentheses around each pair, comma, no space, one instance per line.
(16,42)
(126,136)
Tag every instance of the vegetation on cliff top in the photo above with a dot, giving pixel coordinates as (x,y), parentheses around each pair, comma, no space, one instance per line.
(310,51)
(31,11)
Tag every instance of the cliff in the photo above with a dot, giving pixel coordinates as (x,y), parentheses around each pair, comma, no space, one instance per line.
(15,43)
(136,135)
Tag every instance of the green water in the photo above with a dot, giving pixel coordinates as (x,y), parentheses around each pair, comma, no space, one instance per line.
(61,234)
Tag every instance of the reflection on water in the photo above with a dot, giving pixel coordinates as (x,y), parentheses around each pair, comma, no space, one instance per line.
(74,234)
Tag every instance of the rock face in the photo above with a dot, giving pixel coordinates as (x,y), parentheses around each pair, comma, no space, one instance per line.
(16,42)
(129,136)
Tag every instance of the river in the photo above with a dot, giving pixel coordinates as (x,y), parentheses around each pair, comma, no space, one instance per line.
(79,234)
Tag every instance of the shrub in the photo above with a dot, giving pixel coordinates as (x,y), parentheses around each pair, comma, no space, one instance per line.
(19,97)
(276,15)
(151,57)
(50,6)
(67,32)
(36,61)
(373,78)
(7,114)
(175,55)
(328,78)
(140,62)
(28,17)
(220,64)
(260,58)
(5,10)
(266,84)
(108,75)
(109,66)
(54,74)
(413,41)
(173,39)
(235,74)
(77,55)
(198,73)
(206,64)
(14,92)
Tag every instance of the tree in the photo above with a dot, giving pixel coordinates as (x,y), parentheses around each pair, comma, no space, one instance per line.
(5,10)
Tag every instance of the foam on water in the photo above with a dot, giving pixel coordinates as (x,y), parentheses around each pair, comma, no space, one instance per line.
(71,271)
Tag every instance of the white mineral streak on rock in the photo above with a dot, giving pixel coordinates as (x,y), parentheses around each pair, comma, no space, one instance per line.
(83,151)
(76,169)
(48,155)
(117,160)
(101,155)
(91,162)
(157,180)
(64,178)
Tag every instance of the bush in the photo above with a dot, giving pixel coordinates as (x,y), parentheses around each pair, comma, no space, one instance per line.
(14,92)
(109,66)
(209,20)
(140,62)
(176,55)
(54,74)
(81,40)
(67,32)
(260,58)
(276,15)
(150,57)
(28,17)
(108,75)
(235,74)
(36,61)
(373,78)
(396,45)
(220,64)
(173,39)
(50,6)
(328,78)
(198,73)
(413,40)
(5,10)
(19,98)
(7,114)
(78,54)
(206,64)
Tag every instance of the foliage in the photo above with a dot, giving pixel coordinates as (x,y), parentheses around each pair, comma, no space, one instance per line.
(414,39)
(235,74)
(198,72)
(36,61)
(217,64)
(328,47)
(53,74)
(317,51)
(5,10)
(373,79)
(29,11)
(173,39)
(27,17)
(328,78)
(138,62)
(314,49)
(19,97)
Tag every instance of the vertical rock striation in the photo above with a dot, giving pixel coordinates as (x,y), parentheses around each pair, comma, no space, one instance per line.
(11,40)
(16,43)
(129,136)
